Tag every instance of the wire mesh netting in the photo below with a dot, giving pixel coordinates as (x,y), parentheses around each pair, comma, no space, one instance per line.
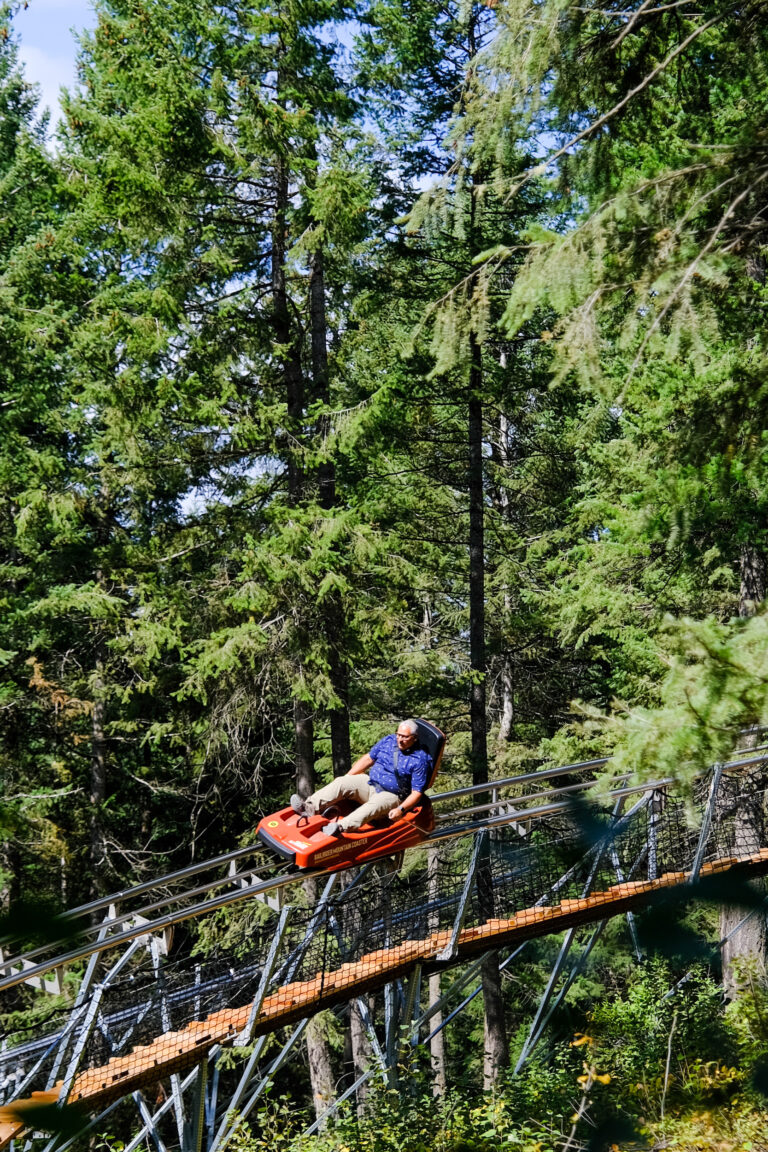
(150,1014)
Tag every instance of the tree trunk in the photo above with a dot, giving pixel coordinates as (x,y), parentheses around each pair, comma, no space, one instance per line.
(744,794)
(341,752)
(496,1050)
(507,686)
(286,336)
(477,709)
(318,1051)
(362,1052)
(304,748)
(437,1043)
(320,1068)
(752,586)
(98,784)
(507,718)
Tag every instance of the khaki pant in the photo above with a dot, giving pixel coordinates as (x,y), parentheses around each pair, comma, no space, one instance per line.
(373,804)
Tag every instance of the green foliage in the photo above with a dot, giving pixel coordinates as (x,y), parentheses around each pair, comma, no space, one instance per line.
(397,1121)
(243,313)
(632,1036)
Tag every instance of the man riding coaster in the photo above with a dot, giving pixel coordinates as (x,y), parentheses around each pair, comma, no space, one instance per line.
(388,780)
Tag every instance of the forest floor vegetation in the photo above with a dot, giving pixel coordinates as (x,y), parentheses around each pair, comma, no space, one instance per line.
(678,1072)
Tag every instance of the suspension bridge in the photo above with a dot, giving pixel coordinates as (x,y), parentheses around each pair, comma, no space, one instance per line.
(508,861)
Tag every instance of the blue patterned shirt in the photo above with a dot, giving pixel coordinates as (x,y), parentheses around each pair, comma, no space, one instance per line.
(395,770)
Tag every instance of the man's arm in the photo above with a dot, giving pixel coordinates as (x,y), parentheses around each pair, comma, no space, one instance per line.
(361,765)
(409,802)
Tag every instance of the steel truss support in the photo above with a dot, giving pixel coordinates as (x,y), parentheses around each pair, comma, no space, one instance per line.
(150,1125)
(80,1009)
(620,876)
(399,1016)
(542,1015)
(288,970)
(227,1128)
(706,823)
(194,1127)
(653,834)
(370,1031)
(55,1145)
(212,1100)
(244,1037)
(621,822)
(401,1005)
(411,1003)
(391,1018)
(82,1040)
(165,1015)
(449,951)
(146,1118)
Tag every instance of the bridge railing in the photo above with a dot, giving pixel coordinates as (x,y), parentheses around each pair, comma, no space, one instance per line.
(541,855)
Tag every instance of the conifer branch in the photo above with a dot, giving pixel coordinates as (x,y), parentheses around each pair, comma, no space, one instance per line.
(643,10)
(604,119)
(691,271)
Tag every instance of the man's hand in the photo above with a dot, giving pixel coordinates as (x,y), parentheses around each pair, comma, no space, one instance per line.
(409,802)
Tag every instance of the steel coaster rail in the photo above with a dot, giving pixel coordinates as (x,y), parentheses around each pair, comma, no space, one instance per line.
(551,773)
(148,885)
(286,880)
(542,810)
(526,778)
(139,889)
(238,853)
(194,869)
(523,799)
(154,926)
(281,881)
(105,925)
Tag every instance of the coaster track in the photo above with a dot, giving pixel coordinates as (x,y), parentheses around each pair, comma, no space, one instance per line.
(642,840)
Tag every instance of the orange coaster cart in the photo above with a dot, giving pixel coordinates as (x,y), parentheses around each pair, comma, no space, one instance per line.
(303,840)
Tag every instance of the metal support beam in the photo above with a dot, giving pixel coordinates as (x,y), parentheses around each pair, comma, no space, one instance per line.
(244,1037)
(288,970)
(82,1040)
(237,1096)
(412,999)
(79,1009)
(706,823)
(465,979)
(193,1129)
(449,951)
(653,835)
(370,1032)
(391,1027)
(211,1101)
(630,915)
(166,1106)
(575,970)
(602,846)
(165,1016)
(146,1117)
(55,1145)
(223,1136)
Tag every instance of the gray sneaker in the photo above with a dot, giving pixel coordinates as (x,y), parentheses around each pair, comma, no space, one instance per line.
(334,828)
(302,807)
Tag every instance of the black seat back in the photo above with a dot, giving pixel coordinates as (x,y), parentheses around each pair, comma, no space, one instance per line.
(431,738)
